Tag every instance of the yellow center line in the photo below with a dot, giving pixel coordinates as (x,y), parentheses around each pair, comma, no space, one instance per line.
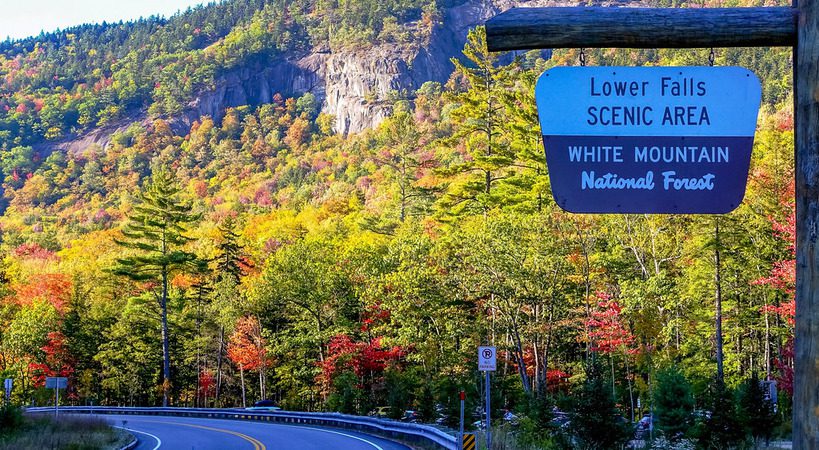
(257,445)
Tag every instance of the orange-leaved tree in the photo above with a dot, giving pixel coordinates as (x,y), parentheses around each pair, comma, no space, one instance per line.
(247,350)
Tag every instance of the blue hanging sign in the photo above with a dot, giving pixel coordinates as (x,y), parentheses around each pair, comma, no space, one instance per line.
(664,140)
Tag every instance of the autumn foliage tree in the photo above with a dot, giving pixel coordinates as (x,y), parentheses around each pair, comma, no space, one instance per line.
(57,360)
(247,349)
(782,277)
(366,360)
(155,232)
(609,334)
(54,288)
(607,330)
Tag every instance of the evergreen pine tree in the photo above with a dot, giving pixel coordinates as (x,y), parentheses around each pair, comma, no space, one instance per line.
(479,123)
(723,429)
(596,421)
(230,262)
(540,410)
(230,267)
(673,404)
(756,412)
(155,232)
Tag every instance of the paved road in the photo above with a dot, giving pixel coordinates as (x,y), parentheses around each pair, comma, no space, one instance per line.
(185,433)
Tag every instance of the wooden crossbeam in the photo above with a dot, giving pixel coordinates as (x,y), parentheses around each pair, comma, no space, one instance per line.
(590,27)
(531,28)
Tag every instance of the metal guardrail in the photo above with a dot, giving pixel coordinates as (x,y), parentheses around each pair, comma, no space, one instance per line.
(423,435)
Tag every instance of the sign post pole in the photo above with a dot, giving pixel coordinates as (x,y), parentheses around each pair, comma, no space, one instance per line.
(461,427)
(487,362)
(56,383)
(488,415)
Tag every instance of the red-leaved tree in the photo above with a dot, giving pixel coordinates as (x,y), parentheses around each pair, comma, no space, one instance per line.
(607,330)
(609,335)
(247,350)
(57,361)
(367,359)
(207,385)
(783,278)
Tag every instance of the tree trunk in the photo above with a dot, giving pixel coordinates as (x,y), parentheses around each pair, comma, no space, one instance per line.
(524,376)
(806,344)
(242,376)
(767,342)
(219,365)
(613,388)
(718,305)
(166,357)
(630,386)
(262,395)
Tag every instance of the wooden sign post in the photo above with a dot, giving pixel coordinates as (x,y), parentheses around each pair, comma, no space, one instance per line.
(797,27)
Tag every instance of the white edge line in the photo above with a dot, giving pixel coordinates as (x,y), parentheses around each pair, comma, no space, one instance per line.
(347,435)
(158,441)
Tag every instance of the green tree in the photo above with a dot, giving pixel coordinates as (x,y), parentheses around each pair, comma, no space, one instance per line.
(756,412)
(155,232)
(722,429)
(231,264)
(673,403)
(400,152)
(231,261)
(478,118)
(597,423)
(129,357)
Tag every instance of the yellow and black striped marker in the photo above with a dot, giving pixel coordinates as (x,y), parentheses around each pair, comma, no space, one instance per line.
(469,441)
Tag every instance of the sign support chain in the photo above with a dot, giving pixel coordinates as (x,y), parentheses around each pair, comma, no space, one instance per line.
(797,27)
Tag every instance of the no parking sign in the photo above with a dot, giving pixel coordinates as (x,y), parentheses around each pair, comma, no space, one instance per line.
(487,361)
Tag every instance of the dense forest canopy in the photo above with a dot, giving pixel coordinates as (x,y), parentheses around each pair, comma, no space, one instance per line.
(346,273)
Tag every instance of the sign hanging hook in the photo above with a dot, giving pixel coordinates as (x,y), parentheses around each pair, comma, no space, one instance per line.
(582,57)
(711,57)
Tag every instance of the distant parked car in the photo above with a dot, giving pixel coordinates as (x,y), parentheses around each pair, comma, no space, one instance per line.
(560,420)
(410,416)
(511,418)
(264,405)
(643,427)
(381,411)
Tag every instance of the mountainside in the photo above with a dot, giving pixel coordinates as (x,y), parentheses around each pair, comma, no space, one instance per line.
(358,86)
(357,81)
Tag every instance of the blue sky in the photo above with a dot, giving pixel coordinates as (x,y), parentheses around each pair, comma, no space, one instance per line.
(22,18)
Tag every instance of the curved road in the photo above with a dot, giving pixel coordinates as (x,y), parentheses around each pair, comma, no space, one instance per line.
(186,433)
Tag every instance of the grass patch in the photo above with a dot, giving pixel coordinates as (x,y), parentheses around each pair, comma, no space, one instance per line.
(41,431)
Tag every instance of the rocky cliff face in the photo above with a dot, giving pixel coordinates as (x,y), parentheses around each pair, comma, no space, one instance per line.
(358,87)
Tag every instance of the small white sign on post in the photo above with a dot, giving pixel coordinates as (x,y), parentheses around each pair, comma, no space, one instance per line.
(7,386)
(487,361)
(56,383)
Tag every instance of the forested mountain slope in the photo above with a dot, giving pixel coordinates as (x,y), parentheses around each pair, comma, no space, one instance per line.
(356,59)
